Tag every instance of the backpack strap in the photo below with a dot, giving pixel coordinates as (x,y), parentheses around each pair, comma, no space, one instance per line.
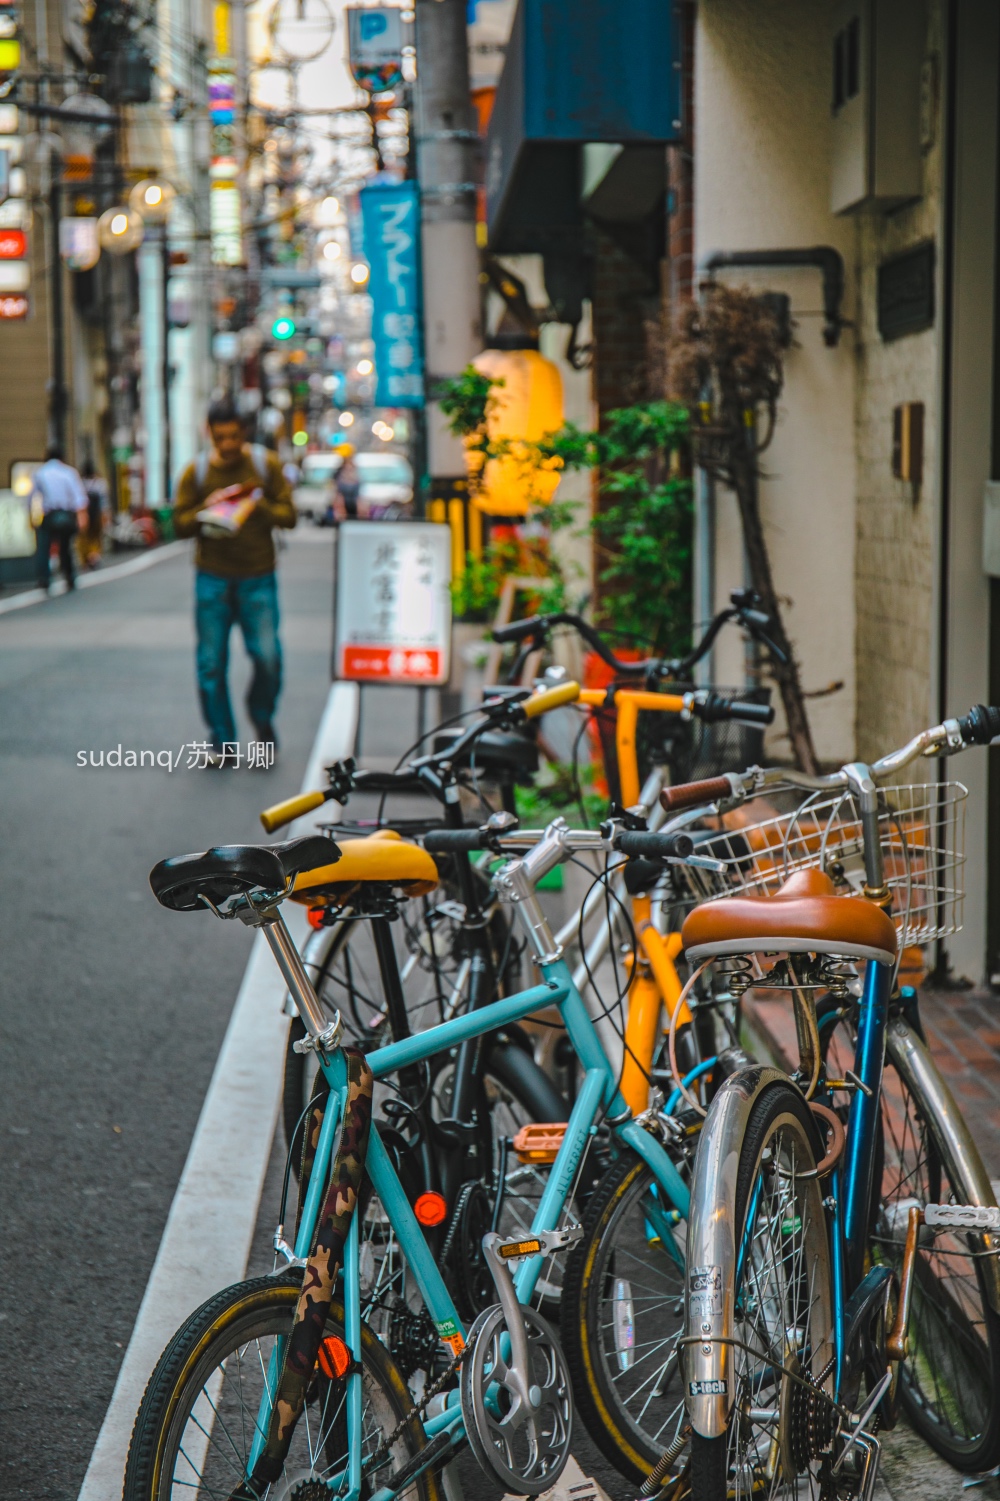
(201,464)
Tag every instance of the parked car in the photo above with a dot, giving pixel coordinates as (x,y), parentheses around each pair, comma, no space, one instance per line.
(386,483)
(313,496)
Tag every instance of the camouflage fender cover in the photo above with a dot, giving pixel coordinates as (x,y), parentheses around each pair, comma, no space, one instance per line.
(321,1273)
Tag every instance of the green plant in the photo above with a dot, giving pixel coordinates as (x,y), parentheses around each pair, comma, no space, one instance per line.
(644,525)
(561,786)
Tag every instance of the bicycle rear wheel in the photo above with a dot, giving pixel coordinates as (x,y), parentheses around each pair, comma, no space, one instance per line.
(950,1380)
(778,1426)
(197,1420)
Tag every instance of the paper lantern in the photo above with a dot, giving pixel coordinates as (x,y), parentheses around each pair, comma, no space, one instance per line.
(527,407)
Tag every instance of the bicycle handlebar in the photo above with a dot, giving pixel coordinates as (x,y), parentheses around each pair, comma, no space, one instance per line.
(979,727)
(693,794)
(536,628)
(659,846)
(456,841)
(292,808)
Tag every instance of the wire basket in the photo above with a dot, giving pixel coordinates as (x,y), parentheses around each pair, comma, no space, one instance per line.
(923,848)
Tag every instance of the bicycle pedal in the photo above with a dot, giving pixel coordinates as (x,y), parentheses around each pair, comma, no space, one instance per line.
(962,1216)
(545,1243)
(539,1143)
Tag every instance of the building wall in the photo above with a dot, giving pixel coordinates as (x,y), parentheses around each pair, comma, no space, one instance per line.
(762,182)
(897,525)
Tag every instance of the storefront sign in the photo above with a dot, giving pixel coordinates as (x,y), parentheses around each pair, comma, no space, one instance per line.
(13,308)
(79,245)
(15,276)
(17,536)
(375,43)
(391,215)
(13,244)
(393,609)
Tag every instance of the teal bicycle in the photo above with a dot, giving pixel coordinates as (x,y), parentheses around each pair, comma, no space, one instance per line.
(277,1387)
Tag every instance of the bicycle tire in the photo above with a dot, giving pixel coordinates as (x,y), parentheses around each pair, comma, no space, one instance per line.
(595,1263)
(252,1311)
(780,1125)
(951,1372)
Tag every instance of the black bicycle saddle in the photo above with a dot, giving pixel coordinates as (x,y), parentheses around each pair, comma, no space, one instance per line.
(181,881)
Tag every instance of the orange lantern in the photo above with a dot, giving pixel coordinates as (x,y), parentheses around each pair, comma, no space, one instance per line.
(523,410)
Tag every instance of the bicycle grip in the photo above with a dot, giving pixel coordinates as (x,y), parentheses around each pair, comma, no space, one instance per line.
(642,842)
(693,794)
(293,807)
(455,841)
(549,698)
(716,708)
(518,629)
(980,725)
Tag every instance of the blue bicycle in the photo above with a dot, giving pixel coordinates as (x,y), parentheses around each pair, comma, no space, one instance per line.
(278,1387)
(801,1272)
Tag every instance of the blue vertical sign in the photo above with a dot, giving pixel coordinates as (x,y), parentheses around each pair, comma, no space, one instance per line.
(391,215)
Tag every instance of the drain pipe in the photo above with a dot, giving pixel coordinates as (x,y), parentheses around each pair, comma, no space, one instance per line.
(825,258)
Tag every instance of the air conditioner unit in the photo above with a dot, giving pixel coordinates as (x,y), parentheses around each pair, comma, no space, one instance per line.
(876,53)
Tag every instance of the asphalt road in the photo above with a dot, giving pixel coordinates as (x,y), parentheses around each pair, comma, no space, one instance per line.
(111,1009)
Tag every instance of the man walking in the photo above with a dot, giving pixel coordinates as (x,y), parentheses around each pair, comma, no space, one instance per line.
(231,498)
(58,506)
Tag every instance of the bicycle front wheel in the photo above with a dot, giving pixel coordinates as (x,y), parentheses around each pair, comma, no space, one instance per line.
(196,1425)
(782,1361)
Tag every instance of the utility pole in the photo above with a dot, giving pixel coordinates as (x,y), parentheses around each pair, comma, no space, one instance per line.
(446,156)
(151,331)
(58,395)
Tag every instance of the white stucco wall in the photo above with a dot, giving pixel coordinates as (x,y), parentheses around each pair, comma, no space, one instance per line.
(762,181)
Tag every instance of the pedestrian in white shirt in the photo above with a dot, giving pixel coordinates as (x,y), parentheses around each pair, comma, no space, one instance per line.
(58,509)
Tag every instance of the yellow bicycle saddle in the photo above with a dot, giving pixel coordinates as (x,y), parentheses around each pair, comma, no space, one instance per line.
(383,857)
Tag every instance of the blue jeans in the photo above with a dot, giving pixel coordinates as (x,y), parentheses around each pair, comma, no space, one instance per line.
(252,603)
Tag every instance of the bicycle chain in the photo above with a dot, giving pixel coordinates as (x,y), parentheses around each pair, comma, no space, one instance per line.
(418,1411)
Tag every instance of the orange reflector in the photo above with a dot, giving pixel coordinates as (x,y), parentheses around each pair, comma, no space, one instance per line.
(520,1248)
(334,1358)
(314,917)
(539,1143)
(430,1209)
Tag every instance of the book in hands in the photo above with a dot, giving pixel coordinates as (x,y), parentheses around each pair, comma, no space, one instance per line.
(228,509)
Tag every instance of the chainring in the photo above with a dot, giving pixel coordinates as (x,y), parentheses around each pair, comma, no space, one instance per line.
(524,1448)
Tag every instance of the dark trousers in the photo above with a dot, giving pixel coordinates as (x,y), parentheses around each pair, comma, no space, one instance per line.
(60,527)
(221,603)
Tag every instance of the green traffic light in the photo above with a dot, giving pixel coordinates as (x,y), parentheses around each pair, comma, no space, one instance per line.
(282,328)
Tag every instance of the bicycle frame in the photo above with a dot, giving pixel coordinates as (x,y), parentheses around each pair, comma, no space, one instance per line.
(599,1093)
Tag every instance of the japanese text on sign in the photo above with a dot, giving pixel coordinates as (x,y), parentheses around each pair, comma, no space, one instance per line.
(393,602)
(391,215)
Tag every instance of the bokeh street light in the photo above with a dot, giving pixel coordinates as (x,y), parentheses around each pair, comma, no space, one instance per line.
(120,230)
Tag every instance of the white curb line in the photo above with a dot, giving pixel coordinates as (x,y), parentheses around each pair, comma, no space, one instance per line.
(210,1227)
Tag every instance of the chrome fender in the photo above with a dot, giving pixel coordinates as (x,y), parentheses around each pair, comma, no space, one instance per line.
(706,1362)
(969,1177)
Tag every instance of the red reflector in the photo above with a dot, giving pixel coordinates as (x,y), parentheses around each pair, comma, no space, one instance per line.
(430,1209)
(314,917)
(334,1358)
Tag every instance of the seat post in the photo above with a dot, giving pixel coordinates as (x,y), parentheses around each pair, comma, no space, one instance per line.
(293,972)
